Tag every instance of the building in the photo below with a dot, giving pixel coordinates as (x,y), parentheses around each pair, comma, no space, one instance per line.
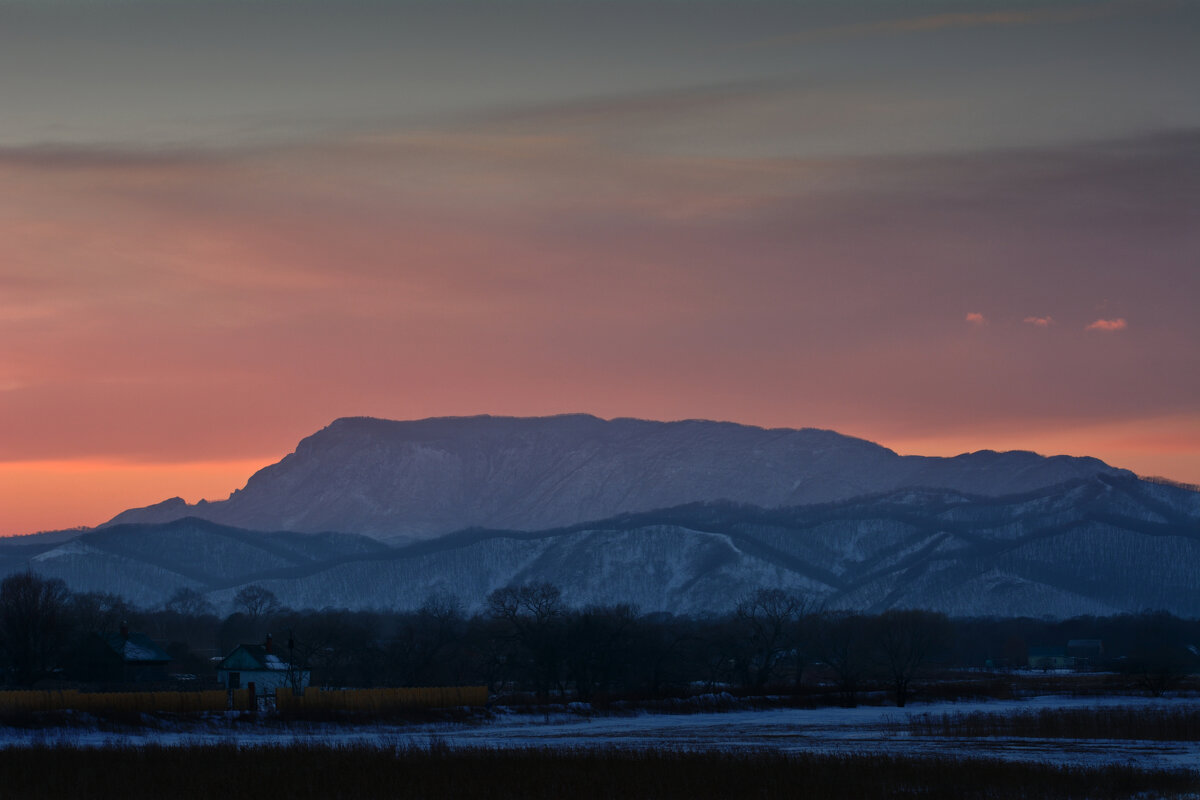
(123,657)
(1049,658)
(258,664)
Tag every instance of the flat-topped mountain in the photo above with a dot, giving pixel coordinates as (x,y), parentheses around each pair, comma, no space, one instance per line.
(418,479)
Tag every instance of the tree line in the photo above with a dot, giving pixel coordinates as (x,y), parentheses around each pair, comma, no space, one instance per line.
(527,638)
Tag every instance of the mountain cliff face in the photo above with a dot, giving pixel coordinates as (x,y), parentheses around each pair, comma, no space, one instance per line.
(1098,545)
(413,480)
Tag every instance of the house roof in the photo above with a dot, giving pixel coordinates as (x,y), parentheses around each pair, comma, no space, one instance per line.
(136,648)
(252,657)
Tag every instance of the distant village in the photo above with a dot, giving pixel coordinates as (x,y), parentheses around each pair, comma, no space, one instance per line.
(530,640)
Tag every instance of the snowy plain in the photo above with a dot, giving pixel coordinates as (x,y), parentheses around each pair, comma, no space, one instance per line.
(865,729)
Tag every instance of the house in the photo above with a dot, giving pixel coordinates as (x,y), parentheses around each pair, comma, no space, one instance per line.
(123,657)
(1049,658)
(258,664)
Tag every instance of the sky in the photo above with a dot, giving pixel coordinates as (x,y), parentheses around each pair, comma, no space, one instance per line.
(941,226)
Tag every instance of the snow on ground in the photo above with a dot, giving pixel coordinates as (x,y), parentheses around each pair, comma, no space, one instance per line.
(826,730)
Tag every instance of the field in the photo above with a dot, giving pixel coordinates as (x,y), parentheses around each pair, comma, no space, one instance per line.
(1161,724)
(1050,746)
(363,772)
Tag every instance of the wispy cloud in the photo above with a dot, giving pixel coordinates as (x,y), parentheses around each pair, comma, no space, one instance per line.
(343,274)
(1118,324)
(1040,322)
(46,157)
(965,19)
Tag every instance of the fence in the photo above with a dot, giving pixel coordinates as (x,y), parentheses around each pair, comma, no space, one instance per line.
(136,702)
(376,700)
(379,700)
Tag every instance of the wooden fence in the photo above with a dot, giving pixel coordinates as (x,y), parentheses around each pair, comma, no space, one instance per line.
(377,700)
(137,702)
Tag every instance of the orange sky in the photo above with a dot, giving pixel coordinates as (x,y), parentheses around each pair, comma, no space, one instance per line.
(815,214)
(206,313)
(51,495)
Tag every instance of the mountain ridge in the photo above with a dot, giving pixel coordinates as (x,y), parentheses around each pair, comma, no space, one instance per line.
(1099,545)
(415,479)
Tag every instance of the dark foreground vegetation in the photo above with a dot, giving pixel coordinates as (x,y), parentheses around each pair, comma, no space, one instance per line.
(528,640)
(362,772)
(1154,724)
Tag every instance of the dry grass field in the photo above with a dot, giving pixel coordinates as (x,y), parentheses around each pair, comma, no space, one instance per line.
(365,773)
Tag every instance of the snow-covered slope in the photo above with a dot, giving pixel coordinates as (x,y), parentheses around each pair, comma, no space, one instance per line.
(147,563)
(1092,546)
(411,480)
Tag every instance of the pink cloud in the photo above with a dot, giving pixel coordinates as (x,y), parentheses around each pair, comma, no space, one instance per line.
(1040,322)
(1118,324)
(975,318)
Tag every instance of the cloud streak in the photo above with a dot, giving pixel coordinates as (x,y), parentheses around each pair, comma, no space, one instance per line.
(225,309)
(967,19)
(1117,324)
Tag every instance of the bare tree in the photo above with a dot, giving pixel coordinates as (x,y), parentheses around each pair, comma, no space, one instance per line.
(256,602)
(528,604)
(903,642)
(842,647)
(660,649)
(1159,657)
(771,619)
(189,603)
(341,647)
(533,617)
(96,612)
(599,644)
(33,624)
(421,651)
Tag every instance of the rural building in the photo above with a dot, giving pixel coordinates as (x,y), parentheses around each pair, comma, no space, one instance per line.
(123,657)
(1049,658)
(258,664)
